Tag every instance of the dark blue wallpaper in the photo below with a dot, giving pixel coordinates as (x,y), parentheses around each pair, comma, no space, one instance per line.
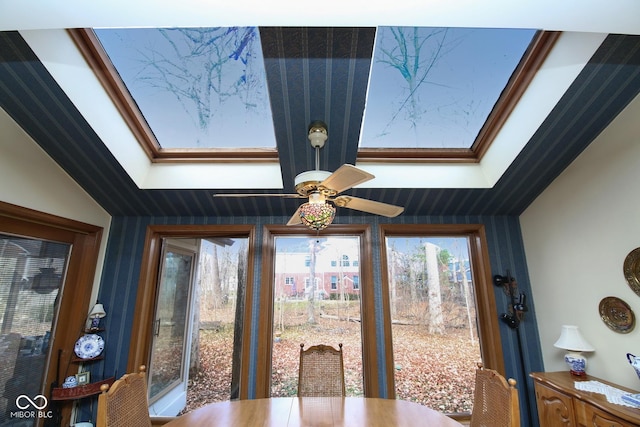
(123,262)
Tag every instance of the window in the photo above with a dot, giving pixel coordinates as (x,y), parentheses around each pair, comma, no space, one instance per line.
(373,360)
(345,261)
(316,318)
(434,278)
(356,283)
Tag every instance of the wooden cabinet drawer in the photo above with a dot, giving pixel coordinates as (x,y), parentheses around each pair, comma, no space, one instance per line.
(590,416)
(555,409)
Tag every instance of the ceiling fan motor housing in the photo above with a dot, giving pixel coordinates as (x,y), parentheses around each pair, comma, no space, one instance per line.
(309,182)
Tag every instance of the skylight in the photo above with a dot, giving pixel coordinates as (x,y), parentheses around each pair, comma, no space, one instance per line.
(434,94)
(435,87)
(197,88)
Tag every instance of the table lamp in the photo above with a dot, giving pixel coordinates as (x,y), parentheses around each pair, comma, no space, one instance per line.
(572,340)
(97,313)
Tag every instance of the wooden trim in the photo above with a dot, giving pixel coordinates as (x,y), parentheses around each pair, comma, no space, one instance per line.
(488,325)
(518,83)
(370,362)
(265,328)
(141,335)
(248,315)
(265,314)
(76,292)
(99,62)
(412,155)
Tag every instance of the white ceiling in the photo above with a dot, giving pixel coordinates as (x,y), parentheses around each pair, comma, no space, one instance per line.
(611,16)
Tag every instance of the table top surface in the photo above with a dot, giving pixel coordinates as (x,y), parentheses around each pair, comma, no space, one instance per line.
(315,411)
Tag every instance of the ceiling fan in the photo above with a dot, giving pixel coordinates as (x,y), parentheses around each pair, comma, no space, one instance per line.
(322,189)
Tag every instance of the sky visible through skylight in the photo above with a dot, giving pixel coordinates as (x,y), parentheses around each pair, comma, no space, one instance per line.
(196,87)
(435,87)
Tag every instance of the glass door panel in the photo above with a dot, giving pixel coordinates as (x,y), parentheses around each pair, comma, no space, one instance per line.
(168,355)
(316,301)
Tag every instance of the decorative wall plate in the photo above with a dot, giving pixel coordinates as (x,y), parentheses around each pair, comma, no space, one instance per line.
(89,346)
(617,315)
(631,269)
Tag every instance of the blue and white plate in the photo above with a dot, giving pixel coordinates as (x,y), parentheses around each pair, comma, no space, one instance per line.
(89,346)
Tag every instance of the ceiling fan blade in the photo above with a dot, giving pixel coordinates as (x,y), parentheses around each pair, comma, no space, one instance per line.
(346,177)
(238,195)
(295,219)
(369,206)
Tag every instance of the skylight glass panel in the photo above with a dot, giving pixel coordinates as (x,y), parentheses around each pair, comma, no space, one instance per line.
(435,87)
(201,88)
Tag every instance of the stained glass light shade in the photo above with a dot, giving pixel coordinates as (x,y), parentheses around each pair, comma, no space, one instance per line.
(317,216)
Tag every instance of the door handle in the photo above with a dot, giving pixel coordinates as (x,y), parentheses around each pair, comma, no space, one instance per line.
(156,328)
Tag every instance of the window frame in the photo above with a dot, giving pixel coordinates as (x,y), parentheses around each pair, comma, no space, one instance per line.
(370,362)
(488,325)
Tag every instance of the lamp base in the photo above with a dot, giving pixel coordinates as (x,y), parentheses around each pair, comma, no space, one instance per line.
(577,363)
(578,373)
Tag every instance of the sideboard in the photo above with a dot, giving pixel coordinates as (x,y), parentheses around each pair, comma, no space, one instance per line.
(561,404)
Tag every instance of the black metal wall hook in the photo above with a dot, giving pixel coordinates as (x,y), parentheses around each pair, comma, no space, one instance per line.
(516,308)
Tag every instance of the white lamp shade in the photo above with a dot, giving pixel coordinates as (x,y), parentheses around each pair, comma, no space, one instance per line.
(98,311)
(572,339)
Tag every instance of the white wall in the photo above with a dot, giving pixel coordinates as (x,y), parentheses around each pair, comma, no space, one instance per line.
(576,236)
(29,178)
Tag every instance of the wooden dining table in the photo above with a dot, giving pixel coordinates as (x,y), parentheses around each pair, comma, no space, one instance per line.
(314,411)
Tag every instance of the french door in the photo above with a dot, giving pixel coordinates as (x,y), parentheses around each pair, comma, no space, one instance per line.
(168,370)
(198,292)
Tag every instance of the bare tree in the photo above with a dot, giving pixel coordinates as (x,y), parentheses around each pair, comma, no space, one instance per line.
(314,248)
(194,68)
(436,319)
(238,324)
(216,298)
(415,53)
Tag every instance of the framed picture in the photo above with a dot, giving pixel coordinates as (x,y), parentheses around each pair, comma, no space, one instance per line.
(83,378)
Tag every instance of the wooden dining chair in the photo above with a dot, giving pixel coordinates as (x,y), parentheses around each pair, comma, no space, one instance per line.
(125,403)
(321,372)
(495,400)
